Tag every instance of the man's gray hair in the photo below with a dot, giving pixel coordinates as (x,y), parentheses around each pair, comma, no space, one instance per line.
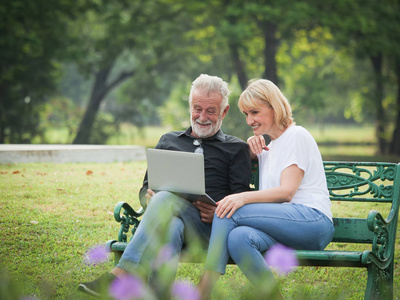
(210,84)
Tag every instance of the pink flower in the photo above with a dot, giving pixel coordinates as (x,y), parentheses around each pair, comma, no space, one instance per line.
(127,288)
(96,255)
(184,291)
(282,258)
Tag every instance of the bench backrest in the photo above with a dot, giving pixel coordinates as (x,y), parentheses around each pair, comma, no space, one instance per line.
(359,182)
(362,182)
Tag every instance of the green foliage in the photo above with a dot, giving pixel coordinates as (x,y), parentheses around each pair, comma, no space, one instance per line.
(103,128)
(175,111)
(59,113)
(33,37)
(316,76)
(371,35)
(235,122)
(323,53)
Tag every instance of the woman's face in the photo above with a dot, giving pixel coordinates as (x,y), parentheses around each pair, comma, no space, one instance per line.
(261,119)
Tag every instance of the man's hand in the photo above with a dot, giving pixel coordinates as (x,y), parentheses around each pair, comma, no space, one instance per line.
(206,211)
(150,193)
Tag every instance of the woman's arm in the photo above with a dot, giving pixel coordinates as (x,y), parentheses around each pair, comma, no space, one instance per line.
(291,178)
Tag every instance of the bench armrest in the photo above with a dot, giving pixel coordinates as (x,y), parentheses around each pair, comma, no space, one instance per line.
(127,216)
(383,242)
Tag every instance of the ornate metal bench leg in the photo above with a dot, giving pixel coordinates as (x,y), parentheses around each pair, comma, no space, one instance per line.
(380,283)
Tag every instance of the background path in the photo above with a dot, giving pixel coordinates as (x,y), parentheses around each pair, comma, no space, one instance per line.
(12,153)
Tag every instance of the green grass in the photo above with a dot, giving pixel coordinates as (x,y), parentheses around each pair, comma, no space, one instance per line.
(51,214)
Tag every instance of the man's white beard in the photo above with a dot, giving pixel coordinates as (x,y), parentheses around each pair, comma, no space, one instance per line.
(208,131)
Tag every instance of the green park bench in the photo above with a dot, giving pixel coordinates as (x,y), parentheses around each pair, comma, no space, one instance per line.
(349,183)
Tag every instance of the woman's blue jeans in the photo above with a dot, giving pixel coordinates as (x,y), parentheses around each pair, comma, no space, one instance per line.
(168,219)
(254,228)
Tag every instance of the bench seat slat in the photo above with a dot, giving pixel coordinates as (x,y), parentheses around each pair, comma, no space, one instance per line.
(350,230)
(329,258)
(306,258)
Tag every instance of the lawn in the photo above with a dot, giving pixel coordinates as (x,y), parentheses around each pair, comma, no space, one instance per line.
(51,214)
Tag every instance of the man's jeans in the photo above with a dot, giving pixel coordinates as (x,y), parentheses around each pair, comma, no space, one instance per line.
(254,228)
(170,220)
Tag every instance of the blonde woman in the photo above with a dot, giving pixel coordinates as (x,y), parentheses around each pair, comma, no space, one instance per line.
(292,206)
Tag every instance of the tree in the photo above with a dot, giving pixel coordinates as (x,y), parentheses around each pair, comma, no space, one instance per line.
(32,39)
(253,31)
(144,29)
(395,143)
(248,38)
(372,33)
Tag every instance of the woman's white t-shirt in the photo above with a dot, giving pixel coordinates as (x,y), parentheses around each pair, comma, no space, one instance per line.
(296,146)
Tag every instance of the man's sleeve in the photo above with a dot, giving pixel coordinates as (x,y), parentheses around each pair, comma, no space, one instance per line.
(240,170)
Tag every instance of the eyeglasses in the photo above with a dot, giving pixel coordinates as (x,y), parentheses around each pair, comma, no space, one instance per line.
(199,149)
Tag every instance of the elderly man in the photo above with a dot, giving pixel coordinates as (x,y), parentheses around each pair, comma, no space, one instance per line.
(227,171)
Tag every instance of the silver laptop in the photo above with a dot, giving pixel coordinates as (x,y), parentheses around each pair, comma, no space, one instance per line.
(177,172)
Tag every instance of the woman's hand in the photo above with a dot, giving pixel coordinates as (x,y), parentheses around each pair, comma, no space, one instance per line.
(228,205)
(257,144)
(150,193)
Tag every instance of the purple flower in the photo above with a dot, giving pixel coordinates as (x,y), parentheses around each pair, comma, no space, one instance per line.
(184,291)
(127,287)
(164,255)
(97,254)
(282,258)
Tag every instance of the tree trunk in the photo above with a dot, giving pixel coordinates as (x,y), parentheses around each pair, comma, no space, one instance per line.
(2,115)
(395,144)
(270,50)
(2,133)
(380,120)
(238,65)
(233,45)
(2,129)
(99,91)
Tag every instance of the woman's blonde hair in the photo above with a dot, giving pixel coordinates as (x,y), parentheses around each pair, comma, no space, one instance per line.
(266,91)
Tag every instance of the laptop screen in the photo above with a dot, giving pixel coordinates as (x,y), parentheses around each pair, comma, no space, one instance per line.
(175,171)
